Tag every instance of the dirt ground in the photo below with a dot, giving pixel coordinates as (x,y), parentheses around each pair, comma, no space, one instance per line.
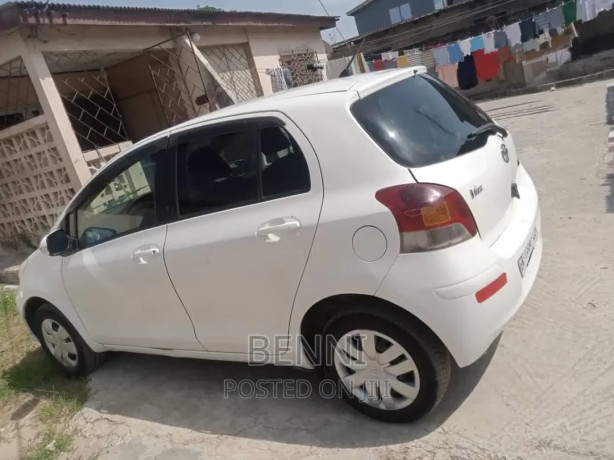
(545,392)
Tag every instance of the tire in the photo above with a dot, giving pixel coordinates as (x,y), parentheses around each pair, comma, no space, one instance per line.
(431,364)
(77,359)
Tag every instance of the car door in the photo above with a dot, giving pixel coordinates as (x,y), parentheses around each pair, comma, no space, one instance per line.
(116,277)
(249,198)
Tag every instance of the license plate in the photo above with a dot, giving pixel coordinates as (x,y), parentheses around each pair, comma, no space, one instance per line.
(525,258)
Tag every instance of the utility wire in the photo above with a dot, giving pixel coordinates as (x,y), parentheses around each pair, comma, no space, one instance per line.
(336,27)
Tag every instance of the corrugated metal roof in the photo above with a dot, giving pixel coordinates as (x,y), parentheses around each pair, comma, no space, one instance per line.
(34,12)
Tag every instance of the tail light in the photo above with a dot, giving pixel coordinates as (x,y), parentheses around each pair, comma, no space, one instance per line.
(429,216)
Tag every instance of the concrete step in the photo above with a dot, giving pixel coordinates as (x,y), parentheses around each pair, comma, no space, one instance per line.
(10,275)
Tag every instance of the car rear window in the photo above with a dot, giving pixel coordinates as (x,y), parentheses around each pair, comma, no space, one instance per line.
(419,121)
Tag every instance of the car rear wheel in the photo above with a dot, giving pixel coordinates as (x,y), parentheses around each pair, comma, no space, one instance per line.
(387,368)
(63,344)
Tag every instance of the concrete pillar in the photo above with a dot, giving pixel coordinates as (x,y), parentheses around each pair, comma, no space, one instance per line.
(57,118)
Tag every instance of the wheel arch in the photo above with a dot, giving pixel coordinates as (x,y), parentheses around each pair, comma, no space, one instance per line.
(331,308)
(30,307)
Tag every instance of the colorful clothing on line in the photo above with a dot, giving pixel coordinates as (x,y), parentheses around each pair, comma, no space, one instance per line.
(441,55)
(455,53)
(466,75)
(556,18)
(500,39)
(403,61)
(527,30)
(513,33)
(379,65)
(465,46)
(477,43)
(448,74)
(531,45)
(489,42)
(392,64)
(504,55)
(569,11)
(486,65)
(541,23)
(427,59)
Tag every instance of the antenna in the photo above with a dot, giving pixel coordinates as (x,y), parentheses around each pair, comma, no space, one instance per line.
(346,72)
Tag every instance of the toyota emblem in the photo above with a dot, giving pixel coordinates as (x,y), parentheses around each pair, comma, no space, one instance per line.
(505,153)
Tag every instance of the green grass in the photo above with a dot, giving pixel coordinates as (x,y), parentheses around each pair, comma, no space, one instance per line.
(25,370)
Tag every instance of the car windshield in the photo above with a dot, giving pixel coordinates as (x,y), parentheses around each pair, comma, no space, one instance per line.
(420,121)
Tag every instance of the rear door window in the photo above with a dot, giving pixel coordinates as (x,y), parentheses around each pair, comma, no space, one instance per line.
(420,121)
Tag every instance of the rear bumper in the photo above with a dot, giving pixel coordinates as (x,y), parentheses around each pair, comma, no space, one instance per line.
(439,287)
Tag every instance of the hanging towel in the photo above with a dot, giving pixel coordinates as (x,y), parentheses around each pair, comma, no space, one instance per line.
(531,45)
(556,18)
(455,53)
(448,74)
(514,35)
(402,61)
(465,46)
(466,74)
(500,39)
(389,56)
(379,65)
(504,55)
(441,55)
(527,30)
(603,5)
(392,64)
(278,83)
(541,23)
(569,11)
(585,10)
(477,43)
(489,42)
(486,65)
(427,59)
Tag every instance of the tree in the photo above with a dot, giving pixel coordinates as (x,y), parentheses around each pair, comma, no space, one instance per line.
(209,9)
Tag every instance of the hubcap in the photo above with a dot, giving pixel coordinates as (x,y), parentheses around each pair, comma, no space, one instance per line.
(376,369)
(60,343)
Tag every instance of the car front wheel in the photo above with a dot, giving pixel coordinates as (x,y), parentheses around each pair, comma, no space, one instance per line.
(63,344)
(388,369)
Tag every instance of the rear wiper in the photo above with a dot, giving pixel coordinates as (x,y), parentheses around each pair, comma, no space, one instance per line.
(488,127)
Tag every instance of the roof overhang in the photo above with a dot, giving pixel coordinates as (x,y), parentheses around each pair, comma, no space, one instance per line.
(15,14)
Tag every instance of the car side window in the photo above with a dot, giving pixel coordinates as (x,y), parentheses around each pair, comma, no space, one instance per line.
(124,204)
(216,171)
(284,168)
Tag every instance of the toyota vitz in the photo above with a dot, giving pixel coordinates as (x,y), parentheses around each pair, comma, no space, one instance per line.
(384,210)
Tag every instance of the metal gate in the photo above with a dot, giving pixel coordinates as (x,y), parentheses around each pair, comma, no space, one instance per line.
(178,79)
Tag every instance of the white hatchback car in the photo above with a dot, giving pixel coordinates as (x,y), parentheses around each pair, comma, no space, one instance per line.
(384,210)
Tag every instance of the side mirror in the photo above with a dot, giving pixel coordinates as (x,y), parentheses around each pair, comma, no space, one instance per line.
(58,242)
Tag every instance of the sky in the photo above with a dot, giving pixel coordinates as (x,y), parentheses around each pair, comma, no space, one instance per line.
(346,25)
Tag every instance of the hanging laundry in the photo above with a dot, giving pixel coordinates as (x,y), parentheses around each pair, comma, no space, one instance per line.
(563,56)
(427,59)
(516,49)
(504,55)
(541,23)
(414,59)
(448,74)
(569,11)
(392,64)
(486,65)
(531,45)
(500,39)
(527,30)
(370,66)
(441,55)
(379,65)
(603,5)
(455,53)
(465,46)
(551,58)
(585,10)
(477,43)
(513,33)
(278,82)
(466,75)
(403,61)
(556,18)
(489,42)
(390,55)
(544,39)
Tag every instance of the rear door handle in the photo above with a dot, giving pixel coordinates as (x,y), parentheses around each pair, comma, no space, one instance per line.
(143,255)
(273,228)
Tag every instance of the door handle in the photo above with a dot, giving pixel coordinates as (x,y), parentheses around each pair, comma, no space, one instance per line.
(142,255)
(273,228)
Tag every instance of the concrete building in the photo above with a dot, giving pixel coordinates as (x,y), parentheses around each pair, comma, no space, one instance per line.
(78,84)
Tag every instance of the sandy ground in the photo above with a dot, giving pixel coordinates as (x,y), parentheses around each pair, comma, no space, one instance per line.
(546,391)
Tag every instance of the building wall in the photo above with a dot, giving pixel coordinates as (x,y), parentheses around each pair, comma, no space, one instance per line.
(377,14)
(268,45)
